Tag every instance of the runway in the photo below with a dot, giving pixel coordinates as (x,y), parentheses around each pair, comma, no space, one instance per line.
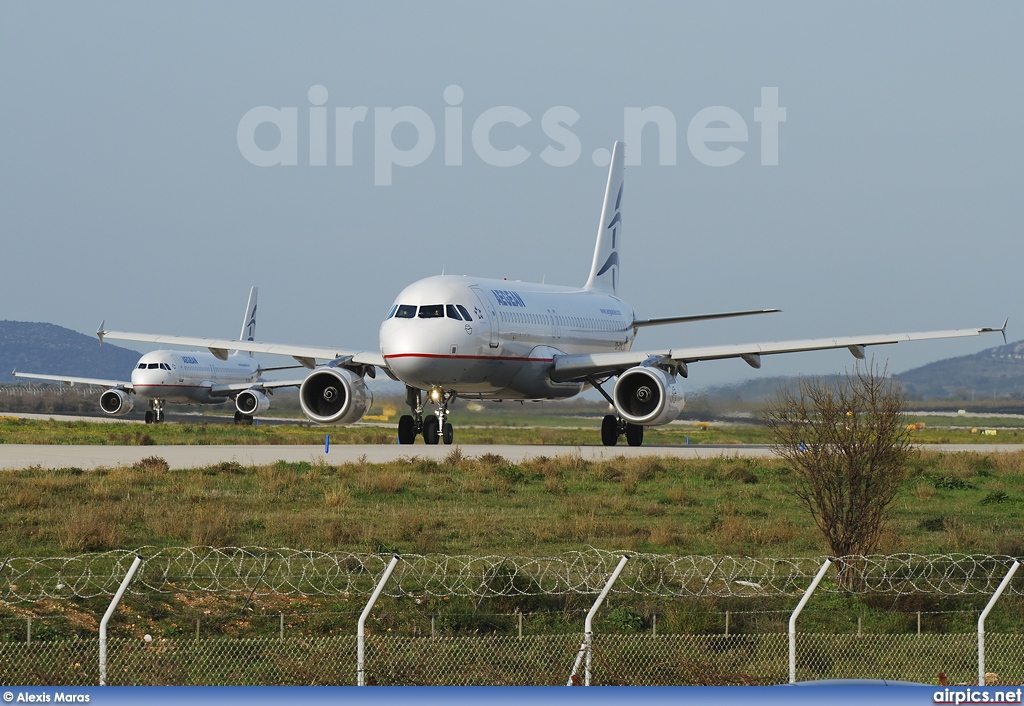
(20,456)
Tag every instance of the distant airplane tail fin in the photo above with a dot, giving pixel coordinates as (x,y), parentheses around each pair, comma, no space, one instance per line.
(604,272)
(249,322)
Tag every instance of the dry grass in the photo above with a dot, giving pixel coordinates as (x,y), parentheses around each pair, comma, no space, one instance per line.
(489,505)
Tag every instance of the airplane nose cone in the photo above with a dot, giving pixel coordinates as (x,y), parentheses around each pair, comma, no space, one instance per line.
(409,351)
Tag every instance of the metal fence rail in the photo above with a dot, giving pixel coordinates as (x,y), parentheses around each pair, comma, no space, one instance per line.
(646,660)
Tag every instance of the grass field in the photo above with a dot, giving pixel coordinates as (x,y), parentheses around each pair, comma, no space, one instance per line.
(489,506)
(534,429)
(484,506)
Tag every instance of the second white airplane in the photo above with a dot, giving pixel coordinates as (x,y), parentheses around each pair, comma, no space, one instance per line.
(189,377)
(457,336)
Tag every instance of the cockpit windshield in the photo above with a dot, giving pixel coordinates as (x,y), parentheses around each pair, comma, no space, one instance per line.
(432,311)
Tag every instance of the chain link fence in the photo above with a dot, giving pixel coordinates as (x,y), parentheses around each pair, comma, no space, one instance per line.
(638,660)
(48,637)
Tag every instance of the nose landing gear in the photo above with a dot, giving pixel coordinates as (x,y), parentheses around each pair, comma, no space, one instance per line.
(434,427)
(156,415)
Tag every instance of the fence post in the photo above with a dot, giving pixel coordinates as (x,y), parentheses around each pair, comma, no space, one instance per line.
(586,649)
(792,618)
(981,621)
(520,626)
(29,631)
(361,634)
(727,623)
(282,626)
(919,623)
(110,612)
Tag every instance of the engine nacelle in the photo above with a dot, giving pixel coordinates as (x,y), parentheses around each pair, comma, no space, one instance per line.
(334,396)
(252,403)
(116,402)
(647,396)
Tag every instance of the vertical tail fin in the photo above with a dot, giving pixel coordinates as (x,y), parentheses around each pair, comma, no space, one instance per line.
(604,272)
(249,322)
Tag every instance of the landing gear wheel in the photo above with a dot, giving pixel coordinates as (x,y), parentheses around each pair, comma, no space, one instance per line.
(406,429)
(430,429)
(238,417)
(609,430)
(447,433)
(149,417)
(247,420)
(634,434)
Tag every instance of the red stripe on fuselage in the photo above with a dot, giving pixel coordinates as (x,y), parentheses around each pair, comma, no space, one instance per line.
(469,357)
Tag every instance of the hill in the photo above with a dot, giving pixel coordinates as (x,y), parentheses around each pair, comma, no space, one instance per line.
(46,348)
(995,374)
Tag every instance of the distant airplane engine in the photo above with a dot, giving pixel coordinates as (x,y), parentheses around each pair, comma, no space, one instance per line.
(116,402)
(647,396)
(252,403)
(334,396)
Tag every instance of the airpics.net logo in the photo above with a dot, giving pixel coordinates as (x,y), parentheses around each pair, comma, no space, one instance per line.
(715,135)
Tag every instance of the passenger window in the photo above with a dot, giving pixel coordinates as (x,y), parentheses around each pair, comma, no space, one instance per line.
(452,312)
(406,311)
(432,311)
(465,314)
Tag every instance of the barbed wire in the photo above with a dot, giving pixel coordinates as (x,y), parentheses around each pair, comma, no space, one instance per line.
(286,571)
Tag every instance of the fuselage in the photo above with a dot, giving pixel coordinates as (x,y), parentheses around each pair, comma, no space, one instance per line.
(496,338)
(188,376)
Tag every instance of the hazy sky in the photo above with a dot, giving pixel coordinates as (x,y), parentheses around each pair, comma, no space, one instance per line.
(128,190)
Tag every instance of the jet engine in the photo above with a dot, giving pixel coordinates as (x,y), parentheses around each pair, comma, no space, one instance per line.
(647,396)
(334,396)
(252,403)
(116,402)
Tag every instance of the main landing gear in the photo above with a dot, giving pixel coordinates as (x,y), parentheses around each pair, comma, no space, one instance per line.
(612,428)
(243,419)
(434,427)
(156,414)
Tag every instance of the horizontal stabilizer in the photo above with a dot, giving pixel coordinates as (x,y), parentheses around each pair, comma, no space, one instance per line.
(639,323)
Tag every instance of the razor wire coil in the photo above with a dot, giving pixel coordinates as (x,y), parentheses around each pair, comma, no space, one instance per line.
(286,571)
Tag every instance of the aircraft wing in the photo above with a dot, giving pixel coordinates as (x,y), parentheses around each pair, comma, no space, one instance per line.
(226,390)
(305,355)
(580,366)
(76,381)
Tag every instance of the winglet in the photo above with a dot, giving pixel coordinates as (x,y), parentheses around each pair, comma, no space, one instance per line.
(1001,329)
(100,332)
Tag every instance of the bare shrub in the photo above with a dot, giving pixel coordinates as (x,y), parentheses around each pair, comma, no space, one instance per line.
(847,443)
(152,465)
(455,457)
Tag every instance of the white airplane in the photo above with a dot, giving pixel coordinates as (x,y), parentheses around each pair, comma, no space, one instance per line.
(457,336)
(189,377)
